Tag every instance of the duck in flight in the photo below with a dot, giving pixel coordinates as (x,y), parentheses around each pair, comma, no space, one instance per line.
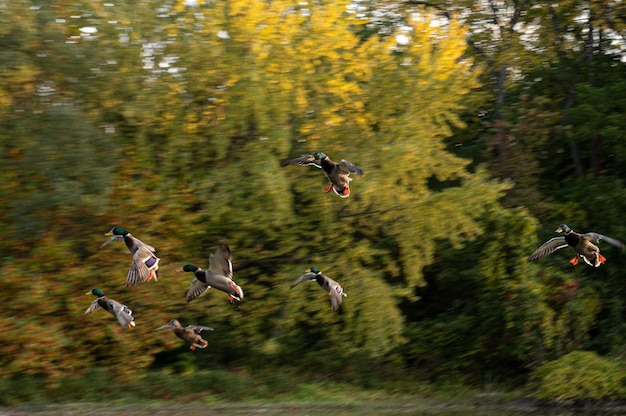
(583,244)
(338,173)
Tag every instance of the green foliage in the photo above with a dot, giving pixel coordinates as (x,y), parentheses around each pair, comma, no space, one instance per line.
(67,164)
(485,306)
(579,376)
(275,384)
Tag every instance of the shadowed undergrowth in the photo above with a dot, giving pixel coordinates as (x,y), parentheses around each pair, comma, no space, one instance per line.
(210,386)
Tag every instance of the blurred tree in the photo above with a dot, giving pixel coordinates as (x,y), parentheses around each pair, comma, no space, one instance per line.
(66,165)
(183,113)
(498,316)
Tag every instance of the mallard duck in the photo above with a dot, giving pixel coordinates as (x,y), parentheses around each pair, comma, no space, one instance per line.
(190,333)
(145,265)
(335,291)
(219,275)
(122,312)
(582,244)
(337,173)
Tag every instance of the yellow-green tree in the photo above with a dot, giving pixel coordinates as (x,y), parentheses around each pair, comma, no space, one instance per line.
(201,104)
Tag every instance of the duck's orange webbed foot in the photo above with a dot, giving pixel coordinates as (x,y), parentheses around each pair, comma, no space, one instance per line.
(329,188)
(601,258)
(574,261)
(192,347)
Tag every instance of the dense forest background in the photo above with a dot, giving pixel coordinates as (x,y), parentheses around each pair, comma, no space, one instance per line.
(480,125)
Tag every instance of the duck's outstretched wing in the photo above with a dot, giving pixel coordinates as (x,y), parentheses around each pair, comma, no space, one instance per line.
(197,288)
(112,238)
(336,295)
(336,300)
(94,306)
(307,277)
(221,262)
(596,238)
(198,328)
(304,160)
(145,265)
(349,167)
(548,247)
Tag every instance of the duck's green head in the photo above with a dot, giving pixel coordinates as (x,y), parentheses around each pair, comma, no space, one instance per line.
(314,269)
(190,268)
(118,231)
(319,156)
(96,292)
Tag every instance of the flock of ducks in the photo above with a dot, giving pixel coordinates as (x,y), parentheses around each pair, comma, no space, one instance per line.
(219,274)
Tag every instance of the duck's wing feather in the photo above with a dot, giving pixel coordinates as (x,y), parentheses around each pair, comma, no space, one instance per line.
(112,238)
(335,291)
(304,160)
(335,300)
(143,260)
(135,273)
(348,167)
(548,247)
(307,277)
(197,288)
(140,244)
(198,328)
(220,262)
(93,307)
(595,237)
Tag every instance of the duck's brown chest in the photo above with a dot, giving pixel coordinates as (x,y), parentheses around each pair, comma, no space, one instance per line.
(181,333)
(201,275)
(328,166)
(321,280)
(130,244)
(572,239)
(104,303)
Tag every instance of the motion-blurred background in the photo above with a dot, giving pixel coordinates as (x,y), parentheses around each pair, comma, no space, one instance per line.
(480,126)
